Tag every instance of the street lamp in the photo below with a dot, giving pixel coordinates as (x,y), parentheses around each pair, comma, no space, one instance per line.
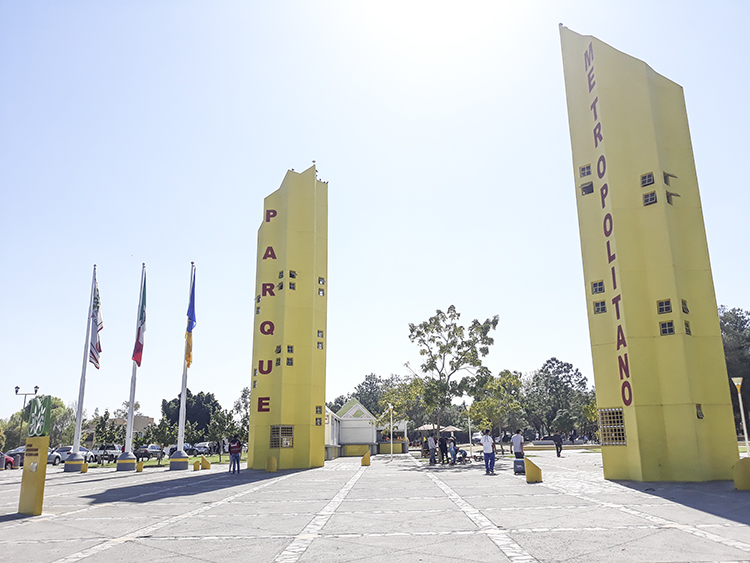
(738,384)
(390,408)
(468,418)
(20,429)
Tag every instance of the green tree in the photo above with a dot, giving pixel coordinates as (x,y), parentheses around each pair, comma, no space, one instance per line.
(554,387)
(107,432)
(198,410)
(496,400)
(222,425)
(62,423)
(735,336)
(163,434)
(371,391)
(405,394)
(449,351)
(242,408)
(122,412)
(339,402)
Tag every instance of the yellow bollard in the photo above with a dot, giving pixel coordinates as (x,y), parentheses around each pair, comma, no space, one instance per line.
(139,467)
(366,459)
(205,464)
(197,466)
(84,467)
(533,473)
(271,464)
(741,474)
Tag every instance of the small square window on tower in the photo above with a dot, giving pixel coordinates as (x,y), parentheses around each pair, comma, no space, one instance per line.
(597,287)
(257,310)
(685,307)
(290,349)
(587,189)
(281,275)
(278,361)
(255,373)
(292,286)
(647,179)
(666,328)
(292,274)
(255,384)
(290,361)
(649,198)
(585,170)
(687,328)
(321,281)
(664,306)
(320,345)
(278,349)
(318,421)
(318,410)
(600,307)
(320,334)
(322,292)
(257,298)
(281,285)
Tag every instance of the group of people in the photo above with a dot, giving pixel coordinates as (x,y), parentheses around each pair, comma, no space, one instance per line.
(450,452)
(489,449)
(447,447)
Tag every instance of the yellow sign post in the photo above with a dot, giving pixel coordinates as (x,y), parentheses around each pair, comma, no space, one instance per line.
(35,459)
(34,473)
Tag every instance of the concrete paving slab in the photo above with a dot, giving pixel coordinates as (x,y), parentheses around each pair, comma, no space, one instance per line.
(402,510)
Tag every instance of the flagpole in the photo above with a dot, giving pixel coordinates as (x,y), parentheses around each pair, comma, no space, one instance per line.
(131,404)
(74,456)
(179,459)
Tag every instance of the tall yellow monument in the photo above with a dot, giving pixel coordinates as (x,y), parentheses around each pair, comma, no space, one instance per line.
(287,420)
(661,382)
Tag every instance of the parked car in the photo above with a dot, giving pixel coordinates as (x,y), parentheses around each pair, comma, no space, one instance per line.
(189,449)
(88,457)
(203,448)
(17,454)
(476,437)
(107,452)
(147,452)
(7,461)
(53,457)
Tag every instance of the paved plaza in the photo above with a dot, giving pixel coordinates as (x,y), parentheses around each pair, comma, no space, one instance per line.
(396,511)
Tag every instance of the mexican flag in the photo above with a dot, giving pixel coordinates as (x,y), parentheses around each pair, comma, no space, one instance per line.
(141,326)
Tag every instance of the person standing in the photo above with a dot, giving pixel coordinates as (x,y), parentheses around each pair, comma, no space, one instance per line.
(517,444)
(431,446)
(235,449)
(557,439)
(488,445)
(443,445)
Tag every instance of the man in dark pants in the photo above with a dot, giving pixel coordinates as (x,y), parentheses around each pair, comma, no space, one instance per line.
(443,445)
(557,439)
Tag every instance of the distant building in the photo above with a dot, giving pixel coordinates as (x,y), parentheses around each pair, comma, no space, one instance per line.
(140,423)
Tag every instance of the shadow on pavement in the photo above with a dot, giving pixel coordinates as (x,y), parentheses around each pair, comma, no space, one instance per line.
(713,497)
(182,486)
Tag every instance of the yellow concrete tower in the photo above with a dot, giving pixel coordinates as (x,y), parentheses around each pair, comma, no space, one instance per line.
(661,382)
(287,419)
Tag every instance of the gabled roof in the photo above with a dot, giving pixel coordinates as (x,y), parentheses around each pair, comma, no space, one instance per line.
(354,409)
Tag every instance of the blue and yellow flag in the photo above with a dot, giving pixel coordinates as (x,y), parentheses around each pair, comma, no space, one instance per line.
(191,321)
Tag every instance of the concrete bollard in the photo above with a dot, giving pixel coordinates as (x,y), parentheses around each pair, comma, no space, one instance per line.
(271,464)
(205,464)
(84,467)
(139,467)
(533,473)
(197,466)
(741,474)
(366,459)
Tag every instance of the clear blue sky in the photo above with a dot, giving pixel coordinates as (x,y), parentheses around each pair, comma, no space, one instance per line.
(151,132)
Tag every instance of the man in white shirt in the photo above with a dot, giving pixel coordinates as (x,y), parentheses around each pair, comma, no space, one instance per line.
(517,442)
(488,445)
(431,445)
